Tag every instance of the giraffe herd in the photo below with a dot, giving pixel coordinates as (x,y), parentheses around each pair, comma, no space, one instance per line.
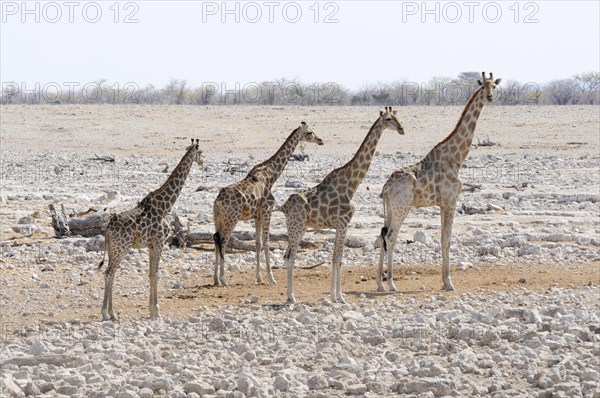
(434,181)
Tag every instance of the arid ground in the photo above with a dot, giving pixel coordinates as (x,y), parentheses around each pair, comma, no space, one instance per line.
(529,227)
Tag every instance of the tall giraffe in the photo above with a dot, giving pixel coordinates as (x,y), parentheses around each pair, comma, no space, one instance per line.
(144,226)
(251,199)
(434,181)
(329,204)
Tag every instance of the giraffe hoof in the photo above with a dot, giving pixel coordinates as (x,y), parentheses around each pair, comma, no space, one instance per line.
(155,312)
(448,288)
(380,289)
(393,288)
(291,300)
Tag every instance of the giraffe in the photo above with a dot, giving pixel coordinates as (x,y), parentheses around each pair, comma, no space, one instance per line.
(434,181)
(251,199)
(329,204)
(144,226)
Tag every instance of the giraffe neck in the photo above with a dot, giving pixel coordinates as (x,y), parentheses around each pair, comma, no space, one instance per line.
(356,169)
(455,148)
(163,198)
(277,163)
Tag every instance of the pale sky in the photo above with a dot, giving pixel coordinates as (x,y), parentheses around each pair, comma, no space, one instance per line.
(371,41)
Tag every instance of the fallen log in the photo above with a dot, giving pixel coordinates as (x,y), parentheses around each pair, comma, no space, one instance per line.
(240,240)
(89,226)
(109,159)
(470,187)
(59,221)
(95,224)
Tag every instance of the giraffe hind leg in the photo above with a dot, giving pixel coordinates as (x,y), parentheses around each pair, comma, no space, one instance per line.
(336,271)
(266,223)
(296,220)
(382,252)
(218,256)
(398,201)
(114,261)
(220,265)
(447,219)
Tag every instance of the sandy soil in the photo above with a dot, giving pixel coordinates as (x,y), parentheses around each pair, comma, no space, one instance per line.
(238,131)
(311,286)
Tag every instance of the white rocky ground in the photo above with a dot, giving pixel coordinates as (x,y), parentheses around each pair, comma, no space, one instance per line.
(539,206)
(524,344)
(535,208)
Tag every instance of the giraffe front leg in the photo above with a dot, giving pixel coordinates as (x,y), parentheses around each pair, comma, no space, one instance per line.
(155,252)
(266,244)
(107,309)
(447,219)
(114,261)
(336,272)
(258,230)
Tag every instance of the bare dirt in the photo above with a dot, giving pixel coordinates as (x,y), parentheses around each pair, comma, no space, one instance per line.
(311,287)
(250,130)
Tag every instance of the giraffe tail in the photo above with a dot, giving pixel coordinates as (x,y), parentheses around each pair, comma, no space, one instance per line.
(103,255)
(218,243)
(102,262)
(384,232)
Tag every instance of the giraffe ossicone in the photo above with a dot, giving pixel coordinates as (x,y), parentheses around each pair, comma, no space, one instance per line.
(144,226)
(252,199)
(329,204)
(434,181)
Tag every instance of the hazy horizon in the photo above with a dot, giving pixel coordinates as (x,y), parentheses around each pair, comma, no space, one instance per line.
(362,43)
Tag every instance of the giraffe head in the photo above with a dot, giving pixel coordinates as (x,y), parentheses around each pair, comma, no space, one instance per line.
(390,120)
(308,134)
(489,85)
(197,151)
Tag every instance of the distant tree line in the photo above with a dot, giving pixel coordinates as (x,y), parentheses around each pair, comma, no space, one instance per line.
(583,88)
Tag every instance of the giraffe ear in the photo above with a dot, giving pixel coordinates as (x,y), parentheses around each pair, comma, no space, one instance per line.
(395,112)
(380,113)
(497,81)
(303,123)
(479,82)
